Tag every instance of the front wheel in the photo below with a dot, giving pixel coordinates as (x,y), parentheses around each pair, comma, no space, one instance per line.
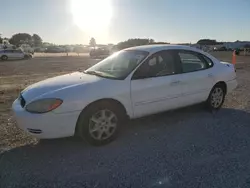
(4,58)
(99,124)
(216,97)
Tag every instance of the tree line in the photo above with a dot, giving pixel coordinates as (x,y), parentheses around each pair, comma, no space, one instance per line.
(136,42)
(145,41)
(36,41)
(23,38)
(208,42)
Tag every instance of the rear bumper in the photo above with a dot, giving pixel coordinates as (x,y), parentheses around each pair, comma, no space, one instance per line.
(231,85)
(47,125)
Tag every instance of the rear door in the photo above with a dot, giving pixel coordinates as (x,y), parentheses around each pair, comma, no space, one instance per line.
(156,85)
(197,76)
(14,54)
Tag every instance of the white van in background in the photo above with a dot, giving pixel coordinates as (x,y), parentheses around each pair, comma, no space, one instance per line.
(27,48)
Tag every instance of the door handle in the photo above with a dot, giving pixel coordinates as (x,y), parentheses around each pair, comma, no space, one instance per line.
(175,82)
(210,75)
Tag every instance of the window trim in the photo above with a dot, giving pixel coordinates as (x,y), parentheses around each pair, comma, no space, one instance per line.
(177,66)
(209,60)
(199,55)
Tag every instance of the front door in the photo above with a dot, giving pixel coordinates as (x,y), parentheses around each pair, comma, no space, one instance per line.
(156,85)
(9,54)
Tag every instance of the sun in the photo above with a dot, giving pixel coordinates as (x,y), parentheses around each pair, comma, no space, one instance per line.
(92,16)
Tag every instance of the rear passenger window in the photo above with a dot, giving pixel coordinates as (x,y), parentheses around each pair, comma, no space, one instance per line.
(192,61)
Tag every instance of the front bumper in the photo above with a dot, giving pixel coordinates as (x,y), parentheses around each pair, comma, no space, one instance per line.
(47,125)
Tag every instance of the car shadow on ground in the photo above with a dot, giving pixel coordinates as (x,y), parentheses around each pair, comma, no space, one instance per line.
(10,60)
(14,60)
(172,133)
(169,121)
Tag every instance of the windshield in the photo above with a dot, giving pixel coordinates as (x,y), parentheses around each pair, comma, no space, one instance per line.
(118,65)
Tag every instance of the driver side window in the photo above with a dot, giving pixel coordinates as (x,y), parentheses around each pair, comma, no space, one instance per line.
(159,64)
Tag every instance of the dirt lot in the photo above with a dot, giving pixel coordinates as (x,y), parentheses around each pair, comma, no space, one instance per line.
(215,135)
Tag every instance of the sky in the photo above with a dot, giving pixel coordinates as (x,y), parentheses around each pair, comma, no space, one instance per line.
(112,21)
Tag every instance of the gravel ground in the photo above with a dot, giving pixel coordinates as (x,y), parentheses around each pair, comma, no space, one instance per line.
(184,148)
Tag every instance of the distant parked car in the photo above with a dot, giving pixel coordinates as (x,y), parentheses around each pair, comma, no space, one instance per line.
(223,48)
(99,53)
(131,83)
(14,54)
(79,49)
(39,49)
(55,50)
(237,51)
(27,48)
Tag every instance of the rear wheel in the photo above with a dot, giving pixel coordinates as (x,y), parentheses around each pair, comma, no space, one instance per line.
(27,56)
(99,124)
(216,97)
(4,58)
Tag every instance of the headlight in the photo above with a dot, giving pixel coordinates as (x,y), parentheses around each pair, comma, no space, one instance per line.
(43,105)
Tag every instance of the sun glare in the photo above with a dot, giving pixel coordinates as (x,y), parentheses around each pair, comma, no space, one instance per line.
(92,16)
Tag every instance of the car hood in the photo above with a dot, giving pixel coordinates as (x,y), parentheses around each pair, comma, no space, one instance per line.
(57,83)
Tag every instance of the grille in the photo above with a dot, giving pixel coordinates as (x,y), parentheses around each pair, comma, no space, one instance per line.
(22,101)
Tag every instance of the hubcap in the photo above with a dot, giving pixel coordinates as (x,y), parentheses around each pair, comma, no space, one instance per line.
(217,97)
(102,124)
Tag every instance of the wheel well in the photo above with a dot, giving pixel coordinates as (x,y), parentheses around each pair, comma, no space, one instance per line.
(4,56)
(223,84)
(111,101)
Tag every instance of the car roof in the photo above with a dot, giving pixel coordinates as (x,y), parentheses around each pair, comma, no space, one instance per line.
(155,48)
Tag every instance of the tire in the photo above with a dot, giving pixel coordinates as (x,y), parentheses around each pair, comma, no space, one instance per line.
(4,58)
(216,97)
(94,121)
(27,56)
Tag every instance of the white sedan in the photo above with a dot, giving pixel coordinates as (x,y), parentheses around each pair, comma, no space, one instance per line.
(12,54)
(132,83)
